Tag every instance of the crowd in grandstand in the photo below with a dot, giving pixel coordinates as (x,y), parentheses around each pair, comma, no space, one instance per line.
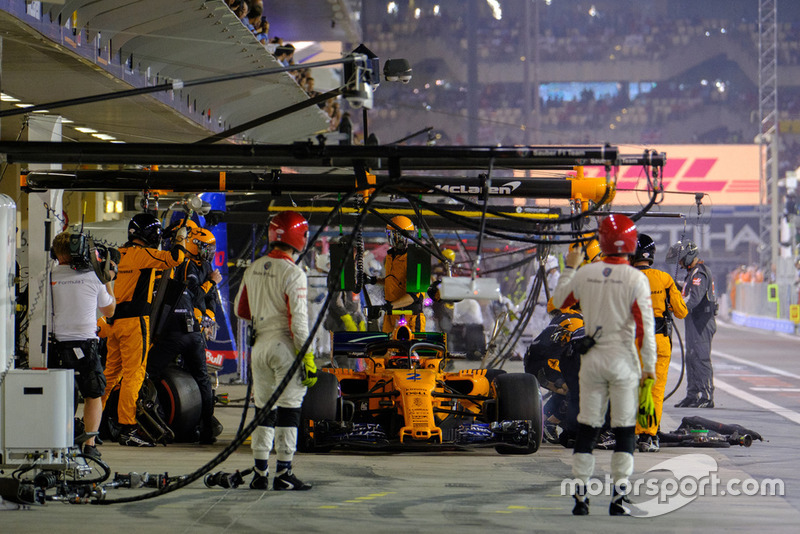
(665,112)
(568,32)
(252,15)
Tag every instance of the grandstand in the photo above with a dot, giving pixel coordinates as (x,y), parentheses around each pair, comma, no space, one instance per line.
(621,71)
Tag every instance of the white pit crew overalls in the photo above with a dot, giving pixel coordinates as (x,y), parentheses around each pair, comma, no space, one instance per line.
(615,301)
(273,296)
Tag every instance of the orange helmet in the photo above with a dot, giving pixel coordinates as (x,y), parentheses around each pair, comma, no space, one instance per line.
(396,238)
(201,244)
(552,310)
(591,250)
(402,333)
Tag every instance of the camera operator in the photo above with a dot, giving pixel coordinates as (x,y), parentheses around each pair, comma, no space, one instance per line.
(129,335)
(77,294)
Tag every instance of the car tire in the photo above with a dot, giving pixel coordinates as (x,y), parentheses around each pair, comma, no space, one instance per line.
(518,398)
(320,404)
(181,403)
(491,374)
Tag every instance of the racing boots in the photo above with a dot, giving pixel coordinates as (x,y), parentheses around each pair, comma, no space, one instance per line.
(581,501)
(648,443)
(550,433)
(616,507)
(131,437)
(259,482)
(286,481)
(701,402)
(91,451)
(607,440)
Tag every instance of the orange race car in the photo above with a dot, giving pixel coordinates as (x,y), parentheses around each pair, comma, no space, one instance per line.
(404,399)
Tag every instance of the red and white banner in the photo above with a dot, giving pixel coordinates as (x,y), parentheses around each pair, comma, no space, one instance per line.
(729,174)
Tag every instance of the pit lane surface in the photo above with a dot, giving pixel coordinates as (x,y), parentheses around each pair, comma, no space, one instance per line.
(476,490)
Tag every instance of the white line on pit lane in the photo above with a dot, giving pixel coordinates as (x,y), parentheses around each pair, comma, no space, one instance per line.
(725,324)
(758,401)
(761,366)
(752,399)
(779,390)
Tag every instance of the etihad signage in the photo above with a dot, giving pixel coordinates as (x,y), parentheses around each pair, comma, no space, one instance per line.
(728,174)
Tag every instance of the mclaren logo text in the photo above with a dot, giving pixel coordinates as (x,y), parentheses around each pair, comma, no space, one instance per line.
(505,189)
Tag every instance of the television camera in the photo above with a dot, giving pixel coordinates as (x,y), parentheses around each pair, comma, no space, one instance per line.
(85,255)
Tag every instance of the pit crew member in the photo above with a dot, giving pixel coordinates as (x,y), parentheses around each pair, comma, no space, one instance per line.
(272,296)
(667,301)
(618,315)
(549,359)
(394,282)
(698,292)
(128,340)
(182,332)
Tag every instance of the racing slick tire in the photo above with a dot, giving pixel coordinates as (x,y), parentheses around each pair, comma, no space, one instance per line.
(319,404)
(518,398)
(491,374)
(180,401)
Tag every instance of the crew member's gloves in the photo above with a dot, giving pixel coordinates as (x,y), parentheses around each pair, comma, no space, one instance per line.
(387,307)
(349,323)
(210,327)
(181,234)
(647,408)
(309,370)
(372,280)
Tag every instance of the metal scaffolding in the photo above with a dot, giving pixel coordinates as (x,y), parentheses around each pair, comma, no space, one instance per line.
(768,138)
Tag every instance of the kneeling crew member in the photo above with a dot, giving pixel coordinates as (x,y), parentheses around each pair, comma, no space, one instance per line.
(182,334)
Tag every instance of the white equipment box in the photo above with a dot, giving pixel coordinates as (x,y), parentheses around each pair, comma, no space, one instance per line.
(37,409)
(459,288)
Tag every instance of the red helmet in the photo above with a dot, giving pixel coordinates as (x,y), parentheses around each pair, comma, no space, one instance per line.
(617,235)
(289,228)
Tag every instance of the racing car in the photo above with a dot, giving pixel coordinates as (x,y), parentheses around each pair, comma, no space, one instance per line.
(404,399)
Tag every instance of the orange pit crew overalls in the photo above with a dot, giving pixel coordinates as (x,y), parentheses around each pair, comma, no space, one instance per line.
(395,266)
(129,332)
(662,290)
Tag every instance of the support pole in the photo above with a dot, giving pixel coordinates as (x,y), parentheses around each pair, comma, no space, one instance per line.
(44,223)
